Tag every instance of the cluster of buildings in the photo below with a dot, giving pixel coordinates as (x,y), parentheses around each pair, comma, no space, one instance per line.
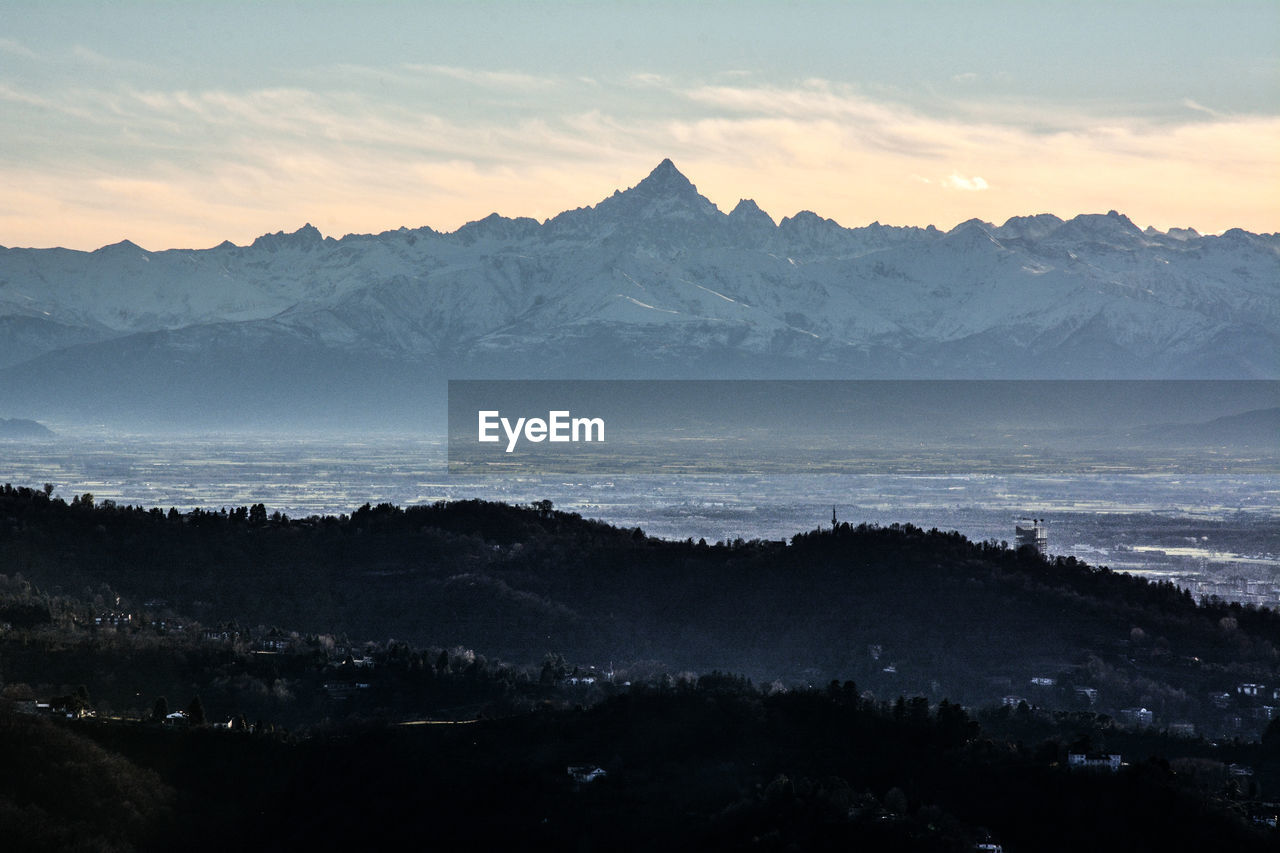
(1262,593)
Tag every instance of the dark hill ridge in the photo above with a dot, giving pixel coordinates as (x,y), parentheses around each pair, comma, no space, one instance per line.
(899,609)
(1257,428)
(23,428)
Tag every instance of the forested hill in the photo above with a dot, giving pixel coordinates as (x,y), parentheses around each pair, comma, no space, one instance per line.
(898,608)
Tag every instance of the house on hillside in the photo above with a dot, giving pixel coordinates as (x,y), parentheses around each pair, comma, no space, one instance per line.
(585,774)
(1137,716)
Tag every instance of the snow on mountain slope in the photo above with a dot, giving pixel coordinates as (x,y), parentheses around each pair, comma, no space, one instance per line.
(659,272)
(123,288)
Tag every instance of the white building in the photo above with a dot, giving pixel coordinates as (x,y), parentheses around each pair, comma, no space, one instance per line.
(1137,716)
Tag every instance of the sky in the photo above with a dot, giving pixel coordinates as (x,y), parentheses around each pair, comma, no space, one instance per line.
(183,124)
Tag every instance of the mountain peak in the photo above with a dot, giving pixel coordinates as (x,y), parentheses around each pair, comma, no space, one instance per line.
(304,238)
(1123,221)
(1028,227)
(1112,226)
(666,180)
(664,196)
(497,227)
(972,224)
(972,233)
(747,211)
(123,247)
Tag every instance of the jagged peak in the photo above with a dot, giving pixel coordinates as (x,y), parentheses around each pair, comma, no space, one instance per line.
(1123,220)
(664,195)
(489,220)
(1038,218)
(307,233)
(404,231)
(1031,227)
(1113,216)
(666,170)
(305,237)
(1112,222)
(665,180)
(125,245)
(746,210)
(970,224)
(498,226)
(972,232)
(1238,236)
(806,218)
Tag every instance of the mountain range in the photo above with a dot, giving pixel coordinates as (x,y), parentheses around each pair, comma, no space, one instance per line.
(652,282)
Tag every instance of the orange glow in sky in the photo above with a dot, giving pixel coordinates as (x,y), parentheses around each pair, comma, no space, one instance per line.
(118,129)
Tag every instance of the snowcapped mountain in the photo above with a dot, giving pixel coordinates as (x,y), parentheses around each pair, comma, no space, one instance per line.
(654,281)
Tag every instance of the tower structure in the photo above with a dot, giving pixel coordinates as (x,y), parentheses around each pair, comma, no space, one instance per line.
(1033,533)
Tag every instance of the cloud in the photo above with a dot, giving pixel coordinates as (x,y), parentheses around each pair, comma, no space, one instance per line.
(16,48)
(647,79)
(959,182)
(1198,107)
(490,79)
(9,93)
(371,151)
(104,64)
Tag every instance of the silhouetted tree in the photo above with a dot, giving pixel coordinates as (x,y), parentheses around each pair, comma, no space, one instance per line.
(195,712)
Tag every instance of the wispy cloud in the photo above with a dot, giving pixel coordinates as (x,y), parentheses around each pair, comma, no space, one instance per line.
(367,149)
(16,48)
(9,93)
(1201,108)
(506,80)
(648,79)
(959,182)
(105,63)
